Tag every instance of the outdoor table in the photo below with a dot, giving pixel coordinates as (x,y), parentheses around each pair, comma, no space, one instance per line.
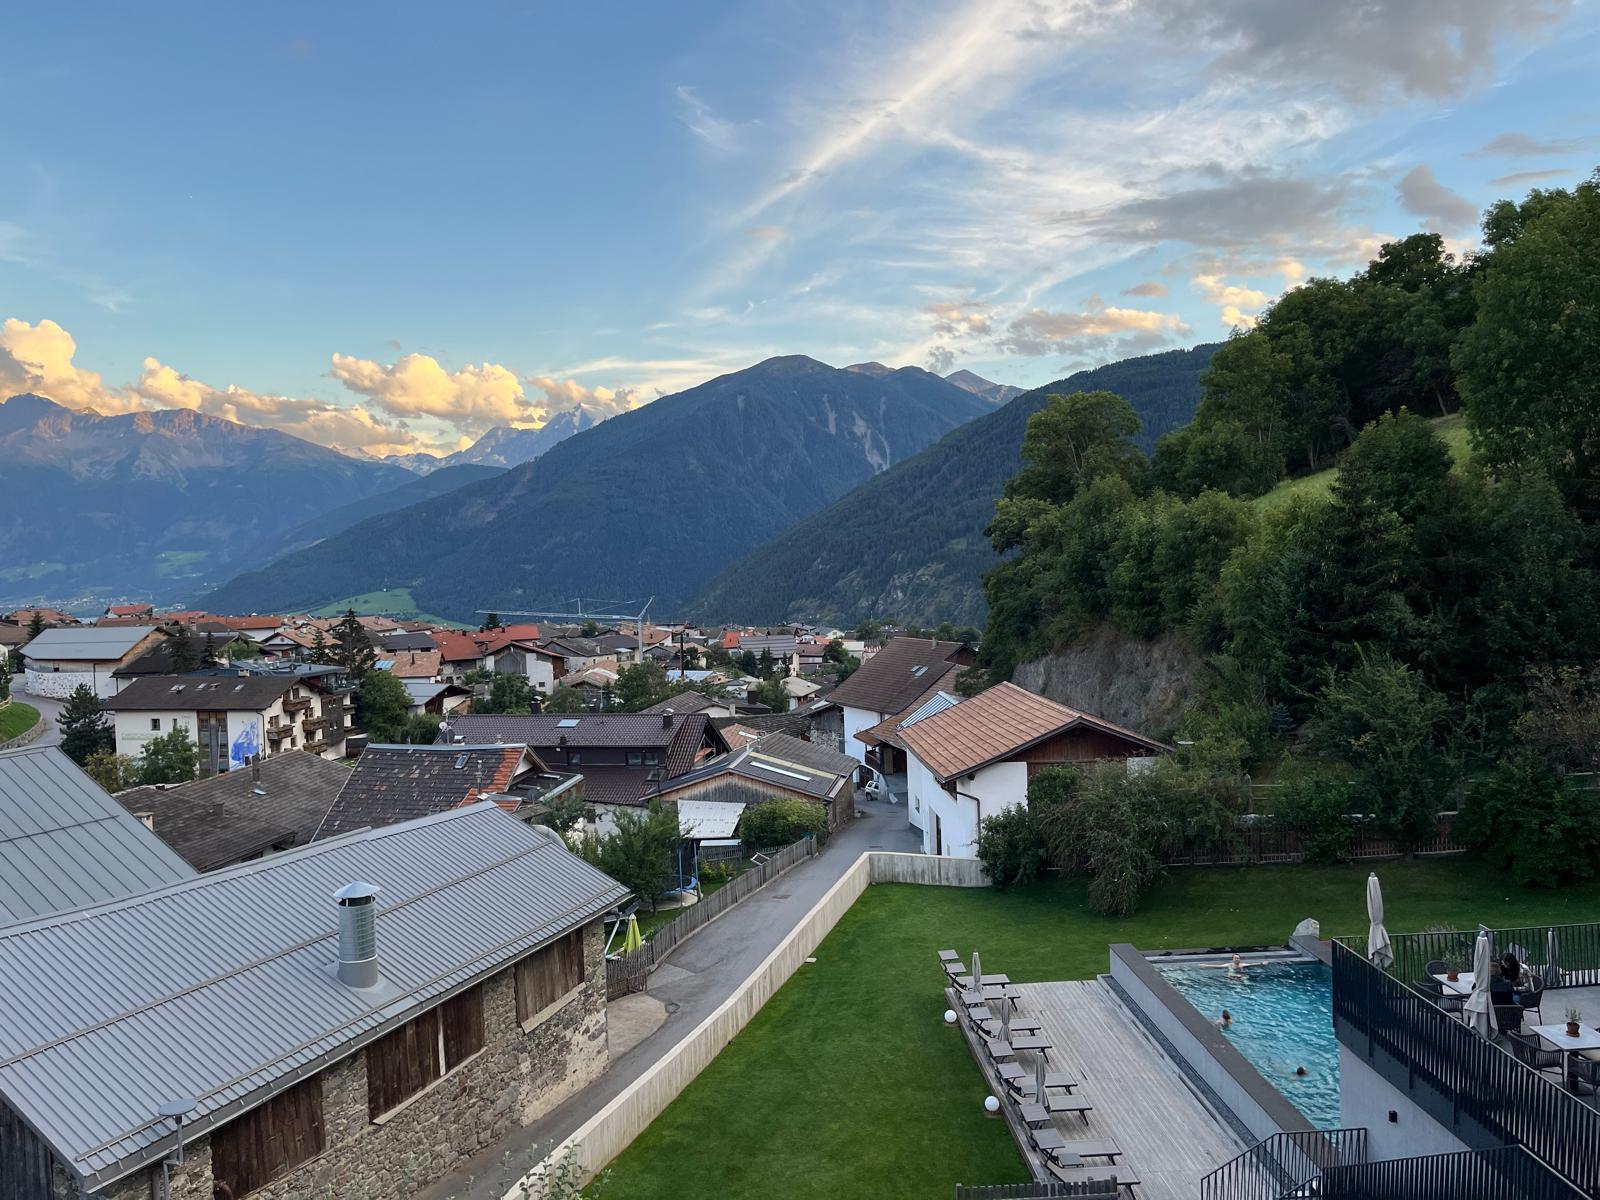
(1461,986)
(1034,1116)
(1556,1035)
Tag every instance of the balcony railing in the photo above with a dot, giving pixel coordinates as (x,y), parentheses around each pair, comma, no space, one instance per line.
(1509,1173)
(1283,1164)
(1472,1087)
(1577,951)
(293,705)
(277,732)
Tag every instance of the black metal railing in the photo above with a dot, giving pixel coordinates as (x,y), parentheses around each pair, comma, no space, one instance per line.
(1577,950)
(1509,1173)
(1283,1164)
(1469,1085)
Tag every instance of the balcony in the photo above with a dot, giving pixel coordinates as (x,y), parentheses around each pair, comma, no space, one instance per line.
(311,723)
(277,733)
(300,705)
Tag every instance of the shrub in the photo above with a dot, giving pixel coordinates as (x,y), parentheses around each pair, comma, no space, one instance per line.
(779,821)
(1318,805)
(1532,822)
(1010,847)
(1113,827)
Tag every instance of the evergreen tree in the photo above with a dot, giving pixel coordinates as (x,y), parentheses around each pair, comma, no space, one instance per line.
(85,728)
(5,677)
(771,693)
(35,624)
(209,655)
(184,652)
(492,621)
(565,699)
(320,653)
(353,649)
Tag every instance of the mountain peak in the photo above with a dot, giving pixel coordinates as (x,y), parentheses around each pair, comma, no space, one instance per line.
(876,369)
(995,393)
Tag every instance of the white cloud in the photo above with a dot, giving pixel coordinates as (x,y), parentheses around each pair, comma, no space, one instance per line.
(696,115)
(1232,299)
(1041,332)
(38,358)
(1522,145)
(1424,195)
(1149,288)
(472,399)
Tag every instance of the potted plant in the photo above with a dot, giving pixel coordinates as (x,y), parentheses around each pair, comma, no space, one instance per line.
(1457,965)
(1573,1028)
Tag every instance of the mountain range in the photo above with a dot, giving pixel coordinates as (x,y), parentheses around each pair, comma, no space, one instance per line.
(504,445)
(650,502)
(909,542)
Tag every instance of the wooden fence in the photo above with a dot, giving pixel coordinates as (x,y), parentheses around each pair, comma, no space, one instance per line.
(1264,840)
(1037,1191)
(631,972)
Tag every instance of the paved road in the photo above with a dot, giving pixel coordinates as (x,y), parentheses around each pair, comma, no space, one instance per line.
(698,976)
(48,709)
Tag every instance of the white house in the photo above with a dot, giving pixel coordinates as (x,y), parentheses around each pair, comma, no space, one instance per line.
(58,660)
(895,681)
(534,663)
(231,718)
(974,759)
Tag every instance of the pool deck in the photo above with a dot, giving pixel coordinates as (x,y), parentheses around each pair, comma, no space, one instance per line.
(1170,1138)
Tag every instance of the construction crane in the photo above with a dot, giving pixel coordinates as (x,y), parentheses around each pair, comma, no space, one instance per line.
(637,619)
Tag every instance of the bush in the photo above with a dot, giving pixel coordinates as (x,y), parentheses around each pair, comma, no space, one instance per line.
(1533,823)
(1318,805)
(1112,826)
(1010,847)
(779,821)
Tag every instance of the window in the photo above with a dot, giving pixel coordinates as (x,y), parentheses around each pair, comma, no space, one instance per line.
(635,758)
(652,758)
(403,1062)
(268,1142)
(574,758)
(155,724)
(549,974)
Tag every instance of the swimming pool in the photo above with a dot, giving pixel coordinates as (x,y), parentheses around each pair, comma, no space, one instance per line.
(1282,1019)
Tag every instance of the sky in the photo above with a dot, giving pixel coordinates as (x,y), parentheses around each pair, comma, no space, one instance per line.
(388,228)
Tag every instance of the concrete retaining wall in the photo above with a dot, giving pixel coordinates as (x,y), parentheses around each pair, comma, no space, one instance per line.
(609,1132)
(27,735)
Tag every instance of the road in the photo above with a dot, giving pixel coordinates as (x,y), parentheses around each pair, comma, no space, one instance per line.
(48,709)
(698,977)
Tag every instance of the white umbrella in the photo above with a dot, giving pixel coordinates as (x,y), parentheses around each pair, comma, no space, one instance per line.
(1005,1019)
(1378,948)
(977,971)
(1552,972)
(1479,1007)
(1038,1079)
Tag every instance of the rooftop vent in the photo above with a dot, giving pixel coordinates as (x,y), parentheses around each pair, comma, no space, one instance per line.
(358,934)
(666,719)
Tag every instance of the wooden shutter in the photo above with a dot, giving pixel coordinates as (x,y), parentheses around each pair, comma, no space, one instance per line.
(403,1062)
(549,974)
(268,1142)
(462,1017)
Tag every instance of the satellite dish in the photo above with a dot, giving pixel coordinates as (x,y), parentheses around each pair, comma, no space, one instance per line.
(177,1110)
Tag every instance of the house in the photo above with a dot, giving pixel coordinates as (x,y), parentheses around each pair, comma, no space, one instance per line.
(695,702)
(12,639)
(238,816)
(257,629)
(623,756)
(59,659)
(540,667)
(410,664)
(430,696)
(399,783)
(65,843)
(407,640)
(325,1022)
(894,681)
(972,759)
(158,660)
(578,653)
(459,654)
(592,683)
(774,766)
(232,716)
(50,616)
(131,611)
(289,643)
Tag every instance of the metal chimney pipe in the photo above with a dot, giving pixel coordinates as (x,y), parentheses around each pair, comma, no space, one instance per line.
(358,934)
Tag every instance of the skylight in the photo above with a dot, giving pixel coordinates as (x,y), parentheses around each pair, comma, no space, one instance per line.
(918,672)
(567,723)
(766,766)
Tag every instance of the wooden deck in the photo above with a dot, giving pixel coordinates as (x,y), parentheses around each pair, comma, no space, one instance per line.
(1169,1137)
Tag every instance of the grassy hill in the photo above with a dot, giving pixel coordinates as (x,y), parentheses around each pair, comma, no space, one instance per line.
(1453,429)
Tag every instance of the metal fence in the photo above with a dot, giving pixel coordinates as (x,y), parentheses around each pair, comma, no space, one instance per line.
(1037,1191)
(1283,1163)
(1264,840)
(1577,951)
(630,972)
(1509,1173)
(1469,1085)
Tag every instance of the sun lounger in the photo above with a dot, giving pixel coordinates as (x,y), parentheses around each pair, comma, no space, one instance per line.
(1031,1041)
(1123,1177)
(1086,1148)
(1038,1115)
(949,956)
(1025,1085)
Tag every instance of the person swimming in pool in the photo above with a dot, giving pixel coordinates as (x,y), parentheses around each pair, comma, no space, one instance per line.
(1301,1071)
(1226,1021)
(1236,967)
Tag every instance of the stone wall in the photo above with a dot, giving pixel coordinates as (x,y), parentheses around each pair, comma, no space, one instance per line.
(57,685)
(516,1079)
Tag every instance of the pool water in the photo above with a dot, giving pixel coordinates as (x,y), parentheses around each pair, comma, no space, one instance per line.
(1282,1019)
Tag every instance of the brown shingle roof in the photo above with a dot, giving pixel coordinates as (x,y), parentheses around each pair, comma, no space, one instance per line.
(996,724)
(895,676)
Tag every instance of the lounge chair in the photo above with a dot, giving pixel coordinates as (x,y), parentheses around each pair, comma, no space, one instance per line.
(1508,1018)
(1531,999)
(1035,1114)
(1434,991)
(1084,1148)
(1121,1176)
(949,956)
(1527,1049)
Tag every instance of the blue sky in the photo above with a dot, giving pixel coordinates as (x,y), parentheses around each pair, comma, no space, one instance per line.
(388,227)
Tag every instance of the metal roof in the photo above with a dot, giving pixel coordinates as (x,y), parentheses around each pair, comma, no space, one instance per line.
(86,643)
(700,819)
(65,843)
(935,703)
(223,987)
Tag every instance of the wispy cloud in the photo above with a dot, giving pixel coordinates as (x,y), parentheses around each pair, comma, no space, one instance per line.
(1424,195)
(721,135)
(1522,145)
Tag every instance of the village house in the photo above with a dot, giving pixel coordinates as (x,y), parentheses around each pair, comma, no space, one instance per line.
(893,682)
(257,629)
(696,702)
(233,716)
(540,667)
(50,616)
(65,842)
(578,653)
(409,664)
(433,696)
(239,816)
(355,1017)
(399,783)
(131,611)
(776,766)
(972,759)
(59,659)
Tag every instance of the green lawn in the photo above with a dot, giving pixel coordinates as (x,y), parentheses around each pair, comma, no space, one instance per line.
(847,1083)
(395,602)
(1453,429)
(16,718)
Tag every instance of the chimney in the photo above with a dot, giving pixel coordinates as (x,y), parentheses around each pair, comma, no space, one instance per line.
(255,768)
(666,720)
(358,934)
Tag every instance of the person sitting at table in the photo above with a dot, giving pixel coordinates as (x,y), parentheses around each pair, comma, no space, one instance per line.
(1511,969)
(1502,983)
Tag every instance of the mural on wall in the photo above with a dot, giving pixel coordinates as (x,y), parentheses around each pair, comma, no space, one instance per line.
(245,746)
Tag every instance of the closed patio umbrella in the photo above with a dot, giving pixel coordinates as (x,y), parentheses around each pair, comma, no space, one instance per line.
(1379,950)
(1005,1019)
(1479,1008)
(1038,1079)
(977,971)
(1552,970)
(632,940)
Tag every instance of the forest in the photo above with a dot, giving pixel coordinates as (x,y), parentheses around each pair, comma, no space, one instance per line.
(1420,636)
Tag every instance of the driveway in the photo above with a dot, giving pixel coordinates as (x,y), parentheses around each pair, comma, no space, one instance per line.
(698,976)
(48,709)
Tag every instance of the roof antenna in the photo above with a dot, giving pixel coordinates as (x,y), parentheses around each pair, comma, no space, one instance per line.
(174,1111)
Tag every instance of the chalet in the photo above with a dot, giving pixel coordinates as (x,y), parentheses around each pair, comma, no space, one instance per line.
(233,716)
(775,766)
(578,653)
(895,681)
(131,611)
(64,843)
(540,667)
(59,659)
(623,756)
(239,816)
(971,759)
(327,1021)
(431,696)
(289,643)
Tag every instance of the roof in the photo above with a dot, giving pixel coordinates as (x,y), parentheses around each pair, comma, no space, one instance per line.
(222,987)
(407,640)
(895,676)
(398,783)
(888,729)
(226,818)
(413,664)
(688,702)
(65,843)
(936,703)
(681,734)
(998,723)
(820,755)
(158,659)
(761,766)
(575,647)
(457,647)
(700,819)
(130,610)
(227,693)
(24,616)
(619,785)
(258,623)
(800,688)
(87,643)
(423,690)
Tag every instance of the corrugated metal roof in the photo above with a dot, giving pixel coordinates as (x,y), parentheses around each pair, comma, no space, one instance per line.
(935,703)
(65,843)
(702,819)
(86,643)
(223,988)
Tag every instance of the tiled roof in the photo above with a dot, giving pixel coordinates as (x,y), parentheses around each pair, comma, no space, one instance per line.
(895,676)
(228,693)
(996,724)
(158,659)
(65,843)
(820,755)
(765,770)
(413,664)
(457,647)
(226,818)
(408,640)
(399,783)
(687,702)
(618,785)
(887,730)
